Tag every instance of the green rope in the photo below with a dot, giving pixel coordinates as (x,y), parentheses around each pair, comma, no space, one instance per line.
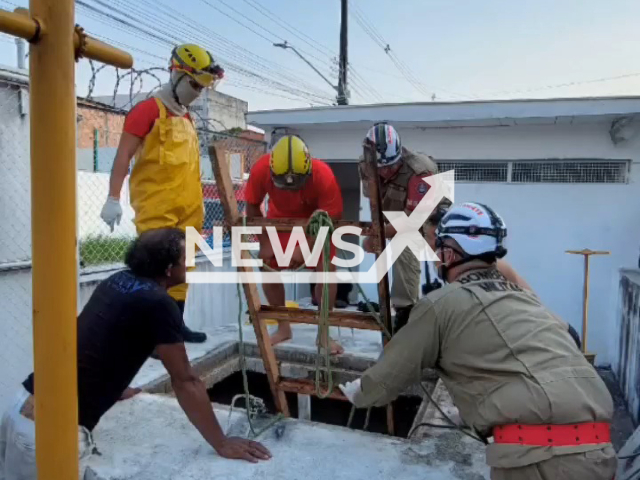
(318,220)
(245,380)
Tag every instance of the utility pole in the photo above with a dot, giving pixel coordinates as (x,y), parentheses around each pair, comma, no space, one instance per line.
(342,79)
(343,92)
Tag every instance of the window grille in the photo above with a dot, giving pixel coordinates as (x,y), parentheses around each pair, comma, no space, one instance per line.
(477,171)
(613,171)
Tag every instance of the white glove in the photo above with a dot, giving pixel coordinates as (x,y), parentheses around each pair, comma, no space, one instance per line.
(111,212)
(352,390)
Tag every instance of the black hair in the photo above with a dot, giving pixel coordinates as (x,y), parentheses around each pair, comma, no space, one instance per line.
(440,211)
(154,251)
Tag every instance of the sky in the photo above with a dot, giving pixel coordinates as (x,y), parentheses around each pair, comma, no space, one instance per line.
(440,50)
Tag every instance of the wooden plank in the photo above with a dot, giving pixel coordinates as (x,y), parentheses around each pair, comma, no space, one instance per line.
(230,205)
(346,319)
(285,224)
(377,226)
(307,387)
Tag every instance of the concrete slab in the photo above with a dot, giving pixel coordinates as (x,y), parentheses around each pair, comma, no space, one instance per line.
(150,438)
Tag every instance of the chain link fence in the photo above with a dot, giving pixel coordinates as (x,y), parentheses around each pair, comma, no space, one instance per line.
(16,347)
(99,129)
(98,135)
(240,153)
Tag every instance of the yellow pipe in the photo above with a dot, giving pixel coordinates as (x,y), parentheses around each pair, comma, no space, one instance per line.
(18,25)
(101,52)
(53,220)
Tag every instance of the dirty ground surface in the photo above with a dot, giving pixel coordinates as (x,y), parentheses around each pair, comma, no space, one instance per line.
(150,438)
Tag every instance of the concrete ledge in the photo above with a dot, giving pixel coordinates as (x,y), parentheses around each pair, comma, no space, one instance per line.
(219,358)
(150,438)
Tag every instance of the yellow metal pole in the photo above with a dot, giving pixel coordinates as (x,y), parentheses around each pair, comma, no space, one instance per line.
(53,206)
(17,24)
(97,50)
(56,43)
(585,304)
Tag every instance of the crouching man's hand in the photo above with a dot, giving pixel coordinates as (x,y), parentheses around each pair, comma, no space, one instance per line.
(241,449)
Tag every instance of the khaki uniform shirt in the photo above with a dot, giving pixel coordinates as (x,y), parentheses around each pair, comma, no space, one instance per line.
(503,357)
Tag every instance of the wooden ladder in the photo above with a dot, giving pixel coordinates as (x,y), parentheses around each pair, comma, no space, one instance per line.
(259,313)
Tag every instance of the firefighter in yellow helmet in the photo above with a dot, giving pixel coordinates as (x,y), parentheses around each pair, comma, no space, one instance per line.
(297,186)
(165,187)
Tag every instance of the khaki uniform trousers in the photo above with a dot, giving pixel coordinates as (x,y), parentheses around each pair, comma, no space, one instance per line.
(405,285)
(594,465)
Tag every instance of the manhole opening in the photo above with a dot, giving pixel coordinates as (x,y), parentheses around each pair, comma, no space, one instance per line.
(331,412)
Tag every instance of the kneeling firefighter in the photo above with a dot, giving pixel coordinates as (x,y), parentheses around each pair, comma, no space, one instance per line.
(165,185)
(510,365)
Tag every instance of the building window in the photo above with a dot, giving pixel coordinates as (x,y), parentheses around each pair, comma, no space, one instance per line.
(559,171)
(477,172)
(539,171)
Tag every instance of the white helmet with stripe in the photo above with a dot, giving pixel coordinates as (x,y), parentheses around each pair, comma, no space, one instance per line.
(476,228)
(387,142)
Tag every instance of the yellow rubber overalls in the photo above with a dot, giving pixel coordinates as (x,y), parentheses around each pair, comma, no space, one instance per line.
(165,181)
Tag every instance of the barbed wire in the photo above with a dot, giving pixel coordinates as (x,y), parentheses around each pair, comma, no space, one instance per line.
(137,78)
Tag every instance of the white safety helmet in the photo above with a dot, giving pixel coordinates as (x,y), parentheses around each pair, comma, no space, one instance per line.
(478,230)
(387,142)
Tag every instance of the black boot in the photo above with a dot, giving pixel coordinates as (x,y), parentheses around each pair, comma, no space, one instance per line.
(402,317)
(188,335)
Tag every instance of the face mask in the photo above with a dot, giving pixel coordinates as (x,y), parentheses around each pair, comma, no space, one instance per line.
(185,92)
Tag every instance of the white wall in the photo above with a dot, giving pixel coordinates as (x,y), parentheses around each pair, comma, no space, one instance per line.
(543,220)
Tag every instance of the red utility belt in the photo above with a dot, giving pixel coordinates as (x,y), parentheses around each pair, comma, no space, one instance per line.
(553,435)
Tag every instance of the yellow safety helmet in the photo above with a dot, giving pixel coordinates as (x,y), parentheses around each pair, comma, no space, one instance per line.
(198,63)
(290,163)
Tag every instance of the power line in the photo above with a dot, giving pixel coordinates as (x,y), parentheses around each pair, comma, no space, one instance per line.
(240,23)
(291,29)
(136,30)
(379,40)
(269,15)
(571,84)
(373,33)
(254,60)
(360,83)
(387,49)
